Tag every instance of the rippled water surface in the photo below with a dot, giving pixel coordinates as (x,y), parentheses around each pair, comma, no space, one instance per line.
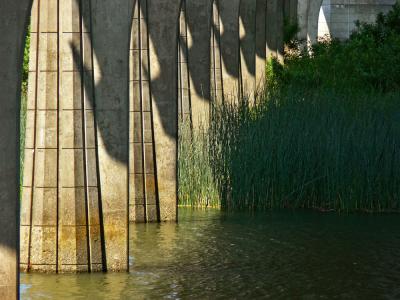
(279,255)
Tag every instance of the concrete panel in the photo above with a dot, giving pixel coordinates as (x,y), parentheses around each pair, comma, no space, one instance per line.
(199,17)
(13,21)
(229,18)
(163,16)
(247,36)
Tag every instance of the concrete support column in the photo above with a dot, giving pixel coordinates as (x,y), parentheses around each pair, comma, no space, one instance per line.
(229,47)
(247,36)
(163,18)
(290,10)
(312,23)
(184,94)
(199,20)
(111,32)
(13,21)
(302,19)
(260,49)
(143,202)
(274,30)
(60,211)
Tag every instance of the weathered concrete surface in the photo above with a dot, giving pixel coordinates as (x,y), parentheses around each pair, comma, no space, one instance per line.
(13,21)
(247,36)
(229,31)
(39,221)
(142,174)
(337,17)
(163,17)
(199,20)
(111,33)
(60,218)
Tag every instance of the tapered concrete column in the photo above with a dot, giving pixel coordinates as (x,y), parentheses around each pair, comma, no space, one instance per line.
(247,36)
(163,17)
(60,211)
(312,23)
(302,19)
(143,201)
(13,21)
(229,31)
(199,20)
(111,31)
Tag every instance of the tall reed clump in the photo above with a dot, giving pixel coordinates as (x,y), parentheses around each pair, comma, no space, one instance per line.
(196,181)
(325,151)
(325,134)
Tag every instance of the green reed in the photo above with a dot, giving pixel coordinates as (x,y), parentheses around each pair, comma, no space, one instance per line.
(196,181)
(326,151)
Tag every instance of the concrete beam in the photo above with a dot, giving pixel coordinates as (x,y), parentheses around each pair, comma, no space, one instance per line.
(13,21)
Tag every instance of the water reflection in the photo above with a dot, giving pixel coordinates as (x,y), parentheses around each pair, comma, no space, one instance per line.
(277,255)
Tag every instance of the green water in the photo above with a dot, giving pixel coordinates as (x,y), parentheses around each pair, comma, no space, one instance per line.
(279,255)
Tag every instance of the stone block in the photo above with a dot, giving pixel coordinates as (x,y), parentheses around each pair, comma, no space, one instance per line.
(45,173)
(44,207)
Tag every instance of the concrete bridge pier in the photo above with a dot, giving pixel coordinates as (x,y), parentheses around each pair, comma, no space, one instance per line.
(74,210)
(153,111)
(13,24)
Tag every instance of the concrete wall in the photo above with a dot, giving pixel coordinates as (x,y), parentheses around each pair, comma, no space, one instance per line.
(13,24)
(337,17)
